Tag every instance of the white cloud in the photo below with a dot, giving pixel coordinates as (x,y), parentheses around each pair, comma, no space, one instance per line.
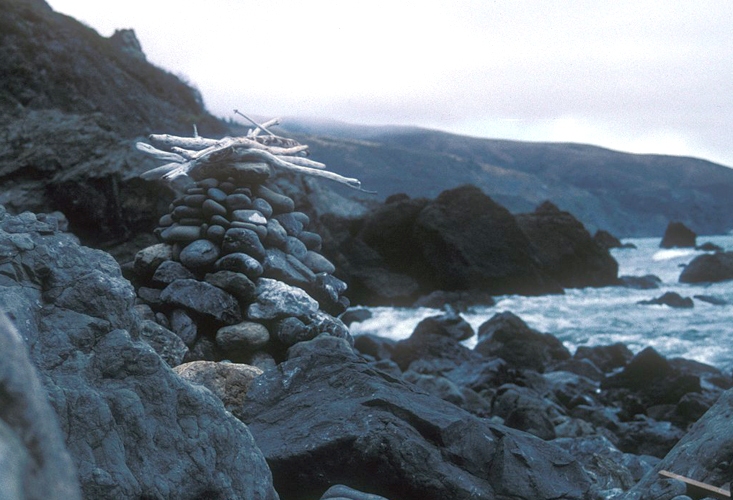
(645,76)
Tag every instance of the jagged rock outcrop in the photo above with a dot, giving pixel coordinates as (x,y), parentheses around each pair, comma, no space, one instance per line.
(565,249)
(678,235)
(133,428)
(373,432)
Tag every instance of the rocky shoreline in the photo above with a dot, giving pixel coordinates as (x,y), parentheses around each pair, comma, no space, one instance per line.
(426,417)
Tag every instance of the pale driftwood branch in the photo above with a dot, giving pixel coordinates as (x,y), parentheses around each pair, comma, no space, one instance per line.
(257,125)
(159,154)
(268,123)
(303,162)
(280,152)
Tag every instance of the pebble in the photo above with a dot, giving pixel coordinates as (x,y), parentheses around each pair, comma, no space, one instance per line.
(218,220)
(203,298)
(242,338)
(312,241)
(276,234)
(238,201)
(194,200)
(199,254)
(227,186)
(257,228)
(252,216)
(291,224)
(211,208)
(279,202)
(262,205)
(217,195)
(318,263)
(166,220)
(208,183)
(235,283)
(239,239)
(181,233)
(169,271)
(183,326)
(240,263)
(184,211)
(189,221)
(295,247)
(215,233)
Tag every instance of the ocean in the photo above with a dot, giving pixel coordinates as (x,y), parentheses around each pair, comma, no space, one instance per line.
(602,316)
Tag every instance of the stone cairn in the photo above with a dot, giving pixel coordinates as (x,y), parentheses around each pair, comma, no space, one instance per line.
(237,275)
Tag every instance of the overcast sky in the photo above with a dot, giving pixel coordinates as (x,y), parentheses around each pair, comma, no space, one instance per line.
(640,76)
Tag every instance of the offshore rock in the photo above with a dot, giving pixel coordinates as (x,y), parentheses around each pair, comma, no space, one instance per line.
(325,416)
(710,268)
(678,235)
(133,428)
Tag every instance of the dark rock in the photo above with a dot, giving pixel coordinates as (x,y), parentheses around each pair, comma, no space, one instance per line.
(606,240)
(295,247)
(374,346)
(263,207)
(178,233)
(607,358)
(450,324)
(275,300)
(678,235)
(250,216)
(183,326)
(228,381)
(709,268)
(381,435)
(645,436)
(240,263)
(653,380)
(280,203)
(239,285)
(311,240)
(341,492)
(242,173)
(126,417)
(711,299)
(671,299)
(148,259)
(211,208)
(566,251)
(240,240)
(167,344)
(277,266)
(199,254)
(276,234)
(238,201)
(646,282)
(203,298)
(35,462)
(169,271)
(709,247)
(289,331)
(318,263)
(525,410)
(216,194)
(290,223)
(426,346)
(237,341)
(461,301)
(507,337)
(355,316)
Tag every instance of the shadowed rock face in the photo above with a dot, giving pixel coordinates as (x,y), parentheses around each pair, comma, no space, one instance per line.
(381,435)
(133,428)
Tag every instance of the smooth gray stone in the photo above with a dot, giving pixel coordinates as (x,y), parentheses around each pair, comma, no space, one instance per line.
(276,234)
(211,208)
(167,344)
(199,254)
(241,339)
(263,206)
(277,266)
(235,283)
(240,263)
(312,241)
(318,263)
(238,201)
(251,216)
(279,202)
(169,271)
(180,233)
(204,299)
(276,299)
(238,239)
(217,195)
(184,326)
(295,247)
(291,224)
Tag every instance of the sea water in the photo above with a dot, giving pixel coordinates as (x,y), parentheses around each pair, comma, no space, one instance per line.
(602,316)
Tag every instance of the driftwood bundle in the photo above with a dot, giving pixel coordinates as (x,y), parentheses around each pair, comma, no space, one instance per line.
(185,155)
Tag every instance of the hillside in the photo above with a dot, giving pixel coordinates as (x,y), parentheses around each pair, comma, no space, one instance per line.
(627,194)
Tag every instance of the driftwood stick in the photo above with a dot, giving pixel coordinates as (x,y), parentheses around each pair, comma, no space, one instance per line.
(159,154)
(167,171)
(257,125)
(268,123)
(303,162)
(277,162)
(196,143)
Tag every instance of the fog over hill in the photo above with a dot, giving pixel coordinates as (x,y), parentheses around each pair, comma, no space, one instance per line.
(627,194)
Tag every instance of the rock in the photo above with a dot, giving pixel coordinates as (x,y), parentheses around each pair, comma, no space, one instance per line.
(607,358)
(240,240)
(702,453)
(341,492)
(606,240)
(244,338)
(279,202)
(239,285)
(132,427)
(678,235)
(449,324)
(275,299)
(525,410)
(646,282)
(508,337)
(183,326)
(375,430)
(426,346)
(711,299)
(355,316)
(240,263)
(566,251)
(199,254)
(671,299)
(376,347)
(277,266)
(167,344)
(709,247)
(228,381)
(459,301)
(203,298)
(710,268)
(148,259)
(318,263)
(169,271)
(34,462)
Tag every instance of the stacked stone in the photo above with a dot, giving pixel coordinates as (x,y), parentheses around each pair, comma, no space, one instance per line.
(237,274)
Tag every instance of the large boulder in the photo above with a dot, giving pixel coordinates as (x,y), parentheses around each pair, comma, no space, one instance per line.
(133,428)
(325,416)
(678,235)
(566,250)
(709,268)
(34,463)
